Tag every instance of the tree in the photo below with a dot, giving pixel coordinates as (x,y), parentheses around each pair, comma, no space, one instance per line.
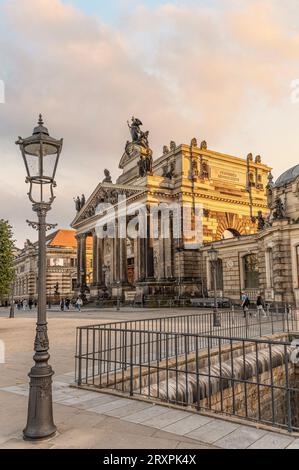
(6,259)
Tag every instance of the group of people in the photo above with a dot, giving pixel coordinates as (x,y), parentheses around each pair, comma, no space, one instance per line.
(24,304)
(66,303)
(260,305)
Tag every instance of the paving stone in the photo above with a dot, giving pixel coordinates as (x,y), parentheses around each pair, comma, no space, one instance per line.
(294,445)
(165,419)
(94,402)
(101,409)
(272,441)
(73,401)
(241,438)
(146,414)
(128,410)
(188,424)
(213,431)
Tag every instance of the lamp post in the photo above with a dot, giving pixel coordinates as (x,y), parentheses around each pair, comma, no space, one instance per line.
(213,257)
(49,299)
(40,153)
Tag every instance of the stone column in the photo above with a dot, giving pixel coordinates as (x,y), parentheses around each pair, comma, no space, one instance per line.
(149,251)
(94,259)
(116,255)
(100,262)
(123,261)
(83,261)
(140,261)
(79,249)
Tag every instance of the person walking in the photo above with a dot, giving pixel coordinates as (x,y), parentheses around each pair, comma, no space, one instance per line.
(30,303)
(79,303)
(24,303)
(260,306)
(245,304)
(62,305)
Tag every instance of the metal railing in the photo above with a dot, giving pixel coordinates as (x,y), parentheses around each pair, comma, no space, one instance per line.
(184,360)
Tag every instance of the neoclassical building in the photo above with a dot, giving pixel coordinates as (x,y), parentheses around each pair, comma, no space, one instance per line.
(229,191)
(61,247)
(266,262)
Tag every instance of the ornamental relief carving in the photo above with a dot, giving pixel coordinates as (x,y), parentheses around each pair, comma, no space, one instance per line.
(105,195)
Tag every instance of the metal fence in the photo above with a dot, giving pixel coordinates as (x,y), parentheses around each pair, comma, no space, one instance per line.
(185,360)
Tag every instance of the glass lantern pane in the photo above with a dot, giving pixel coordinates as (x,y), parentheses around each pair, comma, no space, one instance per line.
(49,149)
(49,162)
(33,149)
(33,165)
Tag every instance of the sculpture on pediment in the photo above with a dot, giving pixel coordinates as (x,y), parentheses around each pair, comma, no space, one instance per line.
(107,178)
(138,136)
(165,150)
(194,142)
(258,159)
(79,202)
(250,157)
(172,146)
(203,145)
(28,243)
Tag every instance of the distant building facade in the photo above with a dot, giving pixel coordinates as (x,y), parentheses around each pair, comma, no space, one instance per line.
(267,262)
(230,191)
(61,247)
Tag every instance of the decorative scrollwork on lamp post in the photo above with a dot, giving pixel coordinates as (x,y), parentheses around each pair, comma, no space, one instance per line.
(41,154)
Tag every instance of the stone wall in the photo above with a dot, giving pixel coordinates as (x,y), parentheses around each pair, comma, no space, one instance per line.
(205,382)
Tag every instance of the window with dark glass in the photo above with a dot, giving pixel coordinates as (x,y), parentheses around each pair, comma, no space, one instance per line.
(219,275)
(251,274)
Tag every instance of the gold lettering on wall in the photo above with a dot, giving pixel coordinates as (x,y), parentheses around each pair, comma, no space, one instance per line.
(227,175)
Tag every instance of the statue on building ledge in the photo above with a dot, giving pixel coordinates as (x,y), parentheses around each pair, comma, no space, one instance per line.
(107,178)
(279,210)
(138,136)
(145,164)
(79,203)
(261,221)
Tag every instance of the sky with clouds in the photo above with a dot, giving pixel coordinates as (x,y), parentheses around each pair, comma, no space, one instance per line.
(219,70)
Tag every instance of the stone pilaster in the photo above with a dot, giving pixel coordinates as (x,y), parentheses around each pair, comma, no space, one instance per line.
(94,259)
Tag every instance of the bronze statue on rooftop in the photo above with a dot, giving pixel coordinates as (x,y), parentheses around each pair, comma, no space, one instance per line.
(138,136)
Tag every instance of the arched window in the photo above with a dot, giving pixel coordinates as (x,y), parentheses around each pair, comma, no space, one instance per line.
(251,274)
(230,233)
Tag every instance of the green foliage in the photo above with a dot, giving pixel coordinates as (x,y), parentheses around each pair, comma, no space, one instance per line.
(6,258)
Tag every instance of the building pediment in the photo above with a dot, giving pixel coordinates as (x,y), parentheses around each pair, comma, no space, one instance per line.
(104,193)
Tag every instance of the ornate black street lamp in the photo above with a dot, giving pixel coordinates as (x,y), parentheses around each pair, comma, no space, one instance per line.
(213,257)
(41,154)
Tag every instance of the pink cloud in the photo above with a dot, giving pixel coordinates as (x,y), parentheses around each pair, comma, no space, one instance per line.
(219,74)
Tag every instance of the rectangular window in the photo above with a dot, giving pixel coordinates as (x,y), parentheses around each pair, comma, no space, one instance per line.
(251,274)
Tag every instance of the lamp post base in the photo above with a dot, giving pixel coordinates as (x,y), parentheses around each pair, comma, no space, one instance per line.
(40,424)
